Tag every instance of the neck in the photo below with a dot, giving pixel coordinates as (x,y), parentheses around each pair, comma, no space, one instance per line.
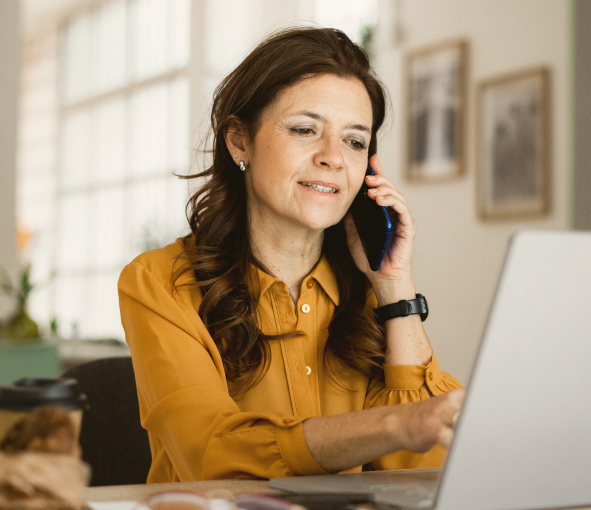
(287,251)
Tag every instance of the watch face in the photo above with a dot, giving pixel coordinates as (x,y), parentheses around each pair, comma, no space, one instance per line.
(423,300)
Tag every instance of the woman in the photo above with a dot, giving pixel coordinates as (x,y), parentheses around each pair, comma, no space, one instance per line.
(253,339)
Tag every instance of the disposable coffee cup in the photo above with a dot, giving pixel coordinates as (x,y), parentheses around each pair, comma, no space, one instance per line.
(21,397)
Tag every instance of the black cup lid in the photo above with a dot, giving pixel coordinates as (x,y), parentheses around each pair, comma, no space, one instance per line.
(28,393)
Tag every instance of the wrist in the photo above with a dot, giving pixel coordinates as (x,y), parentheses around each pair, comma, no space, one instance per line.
(393,429)
(394,290)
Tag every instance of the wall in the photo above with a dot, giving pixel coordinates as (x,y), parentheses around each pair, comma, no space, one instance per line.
(10,47)
(457,256)
(582,100)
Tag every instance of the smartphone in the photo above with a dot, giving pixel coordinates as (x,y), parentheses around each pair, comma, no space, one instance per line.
(374,224)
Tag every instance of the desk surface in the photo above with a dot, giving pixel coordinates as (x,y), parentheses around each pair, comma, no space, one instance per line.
(217,488)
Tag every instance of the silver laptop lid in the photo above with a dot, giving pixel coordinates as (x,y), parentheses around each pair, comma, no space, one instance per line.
(524,437)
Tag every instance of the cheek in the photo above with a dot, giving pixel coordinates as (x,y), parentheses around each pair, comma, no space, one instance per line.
(268,182)
(355,184)
(262,185)
(273,158)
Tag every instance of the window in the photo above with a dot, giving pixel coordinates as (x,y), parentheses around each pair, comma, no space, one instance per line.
(351,16)
(123,130)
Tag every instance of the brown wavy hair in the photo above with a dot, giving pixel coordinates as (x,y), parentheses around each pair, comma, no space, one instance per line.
(218,250)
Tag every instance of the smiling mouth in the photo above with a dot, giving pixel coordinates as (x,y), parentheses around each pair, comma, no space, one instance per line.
(318,187)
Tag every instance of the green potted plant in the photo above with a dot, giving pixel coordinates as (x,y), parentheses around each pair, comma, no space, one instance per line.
(19,326)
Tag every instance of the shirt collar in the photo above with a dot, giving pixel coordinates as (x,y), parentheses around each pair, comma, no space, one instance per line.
(322,273)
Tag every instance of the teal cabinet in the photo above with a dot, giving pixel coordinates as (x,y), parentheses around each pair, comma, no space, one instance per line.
(28,360)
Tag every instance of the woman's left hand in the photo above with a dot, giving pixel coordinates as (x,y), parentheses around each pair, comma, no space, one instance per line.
(396,266)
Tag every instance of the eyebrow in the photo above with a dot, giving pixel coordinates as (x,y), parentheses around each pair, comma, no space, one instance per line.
(316,116)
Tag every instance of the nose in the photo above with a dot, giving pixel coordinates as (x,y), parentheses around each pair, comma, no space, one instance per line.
(329,153)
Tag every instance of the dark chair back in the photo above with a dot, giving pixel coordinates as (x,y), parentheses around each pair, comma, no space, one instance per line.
(112,439)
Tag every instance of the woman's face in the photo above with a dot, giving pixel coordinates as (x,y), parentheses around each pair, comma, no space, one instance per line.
(310,154)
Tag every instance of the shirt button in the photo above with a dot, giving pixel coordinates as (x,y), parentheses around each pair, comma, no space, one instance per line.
(310,284)
(430,376)
(308,370)
(305,308)
(287,422)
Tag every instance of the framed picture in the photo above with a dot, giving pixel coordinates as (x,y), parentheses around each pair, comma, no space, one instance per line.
(513,142)
(435,102)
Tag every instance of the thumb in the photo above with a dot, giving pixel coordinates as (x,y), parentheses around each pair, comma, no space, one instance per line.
(351,231)
(349,223)
(445,436)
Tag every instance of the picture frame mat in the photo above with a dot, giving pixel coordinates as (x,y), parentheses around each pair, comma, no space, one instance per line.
(445,169)
(512,207)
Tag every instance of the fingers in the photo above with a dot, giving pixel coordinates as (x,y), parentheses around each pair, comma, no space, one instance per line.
(381,189)
(430,421)
(450,406)
(449,414)
(387,196)
(374,162)
(455,399)
(445,436)
(375,181)
(404,217)
(384,187)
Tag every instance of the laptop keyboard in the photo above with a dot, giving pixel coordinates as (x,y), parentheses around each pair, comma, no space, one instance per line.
(407,494)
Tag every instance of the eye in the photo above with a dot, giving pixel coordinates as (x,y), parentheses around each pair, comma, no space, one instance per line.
(302,131)
(357,145)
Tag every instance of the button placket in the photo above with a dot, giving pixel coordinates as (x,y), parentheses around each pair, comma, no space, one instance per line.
(307,323)
(430,381)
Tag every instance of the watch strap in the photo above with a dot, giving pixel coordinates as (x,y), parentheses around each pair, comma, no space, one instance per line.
(402,308)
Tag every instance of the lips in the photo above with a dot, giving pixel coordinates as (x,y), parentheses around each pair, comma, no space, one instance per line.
(322,187)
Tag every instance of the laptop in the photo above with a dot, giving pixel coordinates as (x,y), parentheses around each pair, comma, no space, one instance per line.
(523,439)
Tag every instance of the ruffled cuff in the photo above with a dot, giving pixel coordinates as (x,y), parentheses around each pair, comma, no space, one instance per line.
(295,452)
(413,377)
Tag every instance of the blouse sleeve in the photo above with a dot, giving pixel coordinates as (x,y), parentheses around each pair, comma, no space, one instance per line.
(184,399)
(402,384)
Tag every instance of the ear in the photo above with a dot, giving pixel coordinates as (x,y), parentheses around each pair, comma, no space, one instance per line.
(236,140)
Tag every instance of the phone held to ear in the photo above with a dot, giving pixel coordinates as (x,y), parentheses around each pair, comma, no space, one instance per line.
(374,224)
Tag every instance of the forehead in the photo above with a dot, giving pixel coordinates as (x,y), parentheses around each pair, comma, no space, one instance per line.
(335,98)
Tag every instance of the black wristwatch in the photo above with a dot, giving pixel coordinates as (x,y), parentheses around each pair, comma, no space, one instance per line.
(402,309)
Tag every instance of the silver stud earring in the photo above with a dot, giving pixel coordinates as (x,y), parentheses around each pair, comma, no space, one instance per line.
(242,166)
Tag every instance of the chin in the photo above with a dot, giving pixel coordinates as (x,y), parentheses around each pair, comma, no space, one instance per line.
(322,222)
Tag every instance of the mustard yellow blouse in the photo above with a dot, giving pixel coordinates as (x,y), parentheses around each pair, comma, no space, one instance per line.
(197,430)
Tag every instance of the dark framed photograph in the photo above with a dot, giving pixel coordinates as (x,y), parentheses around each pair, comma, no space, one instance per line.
(435,102)
(513,144)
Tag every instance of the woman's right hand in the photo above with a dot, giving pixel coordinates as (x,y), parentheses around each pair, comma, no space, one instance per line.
(421,425)
(414,426)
